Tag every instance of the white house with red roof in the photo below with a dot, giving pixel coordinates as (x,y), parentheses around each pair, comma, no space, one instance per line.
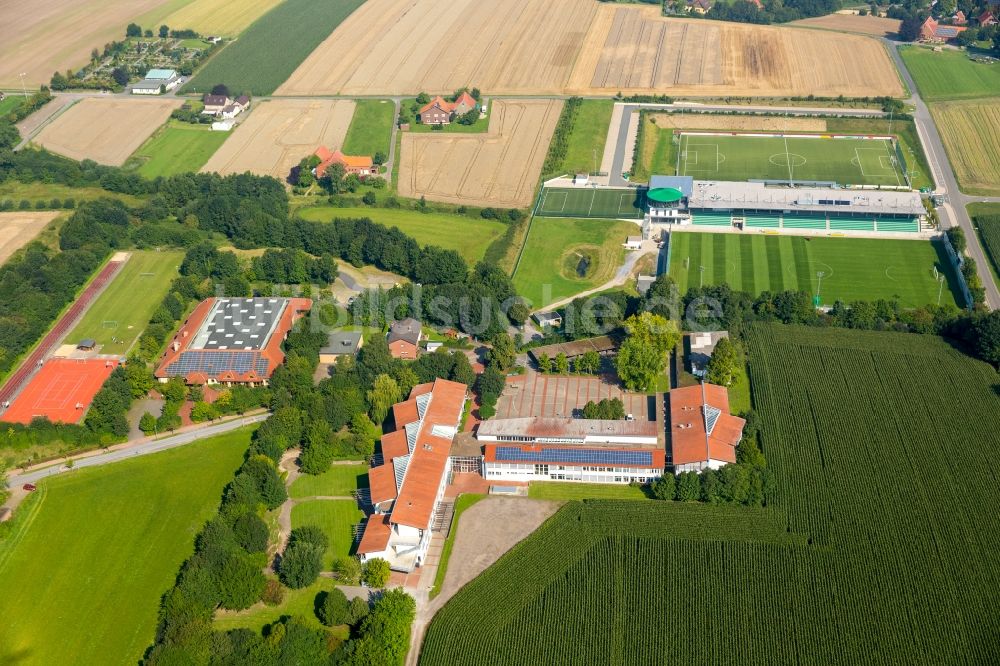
(362,165)
(408,486)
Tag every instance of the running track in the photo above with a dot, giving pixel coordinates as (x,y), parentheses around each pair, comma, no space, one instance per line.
(61,328)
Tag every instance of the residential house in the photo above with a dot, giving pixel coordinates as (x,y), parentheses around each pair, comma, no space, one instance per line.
(699,6)
(933,31)
(959,18)
(404,338)
(987,18)
(703,433)
(362,165)
(440,111)
(341,343)
(214,104)
(237,107)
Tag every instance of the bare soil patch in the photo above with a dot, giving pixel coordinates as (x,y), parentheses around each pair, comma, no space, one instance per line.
(496,168)
(17,230)
(712,121)
(105,129)
(279,133)
(867,25)
(45,36)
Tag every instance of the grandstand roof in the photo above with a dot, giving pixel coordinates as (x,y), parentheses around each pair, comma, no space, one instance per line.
(726,195)
(683,183)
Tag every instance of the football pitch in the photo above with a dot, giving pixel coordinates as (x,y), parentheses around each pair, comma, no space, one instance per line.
(847,161)
(853,268)
(605,202)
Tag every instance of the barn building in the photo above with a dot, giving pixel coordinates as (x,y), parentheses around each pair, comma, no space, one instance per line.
(232,341)
(408,484)
(565,449)
(703,433)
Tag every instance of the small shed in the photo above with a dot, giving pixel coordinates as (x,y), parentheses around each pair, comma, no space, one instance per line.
(87,344)
(552,319)
(633,242)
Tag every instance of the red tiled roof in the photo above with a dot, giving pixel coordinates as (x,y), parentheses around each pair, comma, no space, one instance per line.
(405,412)
(439,102)
(394,445)
(382,482)
(376,536)
(465,98)
(326,158)
(690,442)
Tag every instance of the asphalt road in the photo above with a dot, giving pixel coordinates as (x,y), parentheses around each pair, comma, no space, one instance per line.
(154,446)
(953,213)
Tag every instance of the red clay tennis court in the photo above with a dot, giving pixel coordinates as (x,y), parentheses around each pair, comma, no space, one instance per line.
(61,391)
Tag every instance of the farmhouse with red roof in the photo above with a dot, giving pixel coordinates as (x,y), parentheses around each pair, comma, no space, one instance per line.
(703,432)
(232,340)
(362,165)
(440,111)
(410,481)
(932,31)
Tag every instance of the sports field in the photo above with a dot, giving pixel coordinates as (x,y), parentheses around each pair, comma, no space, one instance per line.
(602,202)
(82,577)
(466,235)
(61,391)
(949,74)
(176,148)
(847,161)
(123,309)
(853,268)
(565,256)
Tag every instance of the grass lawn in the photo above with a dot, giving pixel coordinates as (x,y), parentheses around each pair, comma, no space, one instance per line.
(468,236)
(16,191)
(301,603)
(83,577)
(949,74)
(587,139)
(461,504)
(338,480)
(176,148)
(337,518)
(371,128)
(124,307)
(969,132)
(739,158)
(9,103)
(566,491)
(855,268)
(554,250)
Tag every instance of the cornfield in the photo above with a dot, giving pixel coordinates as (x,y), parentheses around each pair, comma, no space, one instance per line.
(881,545)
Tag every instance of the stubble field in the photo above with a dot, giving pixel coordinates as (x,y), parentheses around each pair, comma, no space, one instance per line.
(567,46)
(971,134)
(17,230)
(219,17)
(498,168)
(279,133)
(44,36)
(105,129)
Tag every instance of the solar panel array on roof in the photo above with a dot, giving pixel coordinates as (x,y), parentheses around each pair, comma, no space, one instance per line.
(239,323)
(582,456)
(217,362)
(712,415)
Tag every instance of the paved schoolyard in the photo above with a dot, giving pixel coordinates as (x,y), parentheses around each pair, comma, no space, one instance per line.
(535,394)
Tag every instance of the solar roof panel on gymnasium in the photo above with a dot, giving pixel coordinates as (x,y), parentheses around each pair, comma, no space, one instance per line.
(239,323)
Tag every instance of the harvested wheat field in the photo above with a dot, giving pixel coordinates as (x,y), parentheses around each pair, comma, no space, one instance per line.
(44,36)
(279,133)
(713,121)
(581,47)
(405,46)
(635,50)
(971,134)
(496,168)
(17,229)
(105,129)
(220,17)
(868,25)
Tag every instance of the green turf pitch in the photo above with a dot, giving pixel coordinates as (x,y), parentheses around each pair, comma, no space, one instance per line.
(739,158)
(853,268)
(605,202)
(83,575)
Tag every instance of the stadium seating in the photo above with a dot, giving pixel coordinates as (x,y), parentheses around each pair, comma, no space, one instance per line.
(907,224)
(762,220)
(852,223)
(712,219)
(804,221)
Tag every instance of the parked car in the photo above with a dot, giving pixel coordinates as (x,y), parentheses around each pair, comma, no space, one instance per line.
(29,487)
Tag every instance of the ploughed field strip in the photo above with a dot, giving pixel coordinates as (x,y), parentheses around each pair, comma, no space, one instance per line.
(846,161)
(853,268)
